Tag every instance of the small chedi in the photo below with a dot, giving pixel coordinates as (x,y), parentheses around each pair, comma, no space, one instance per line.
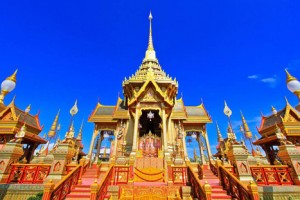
(149,145)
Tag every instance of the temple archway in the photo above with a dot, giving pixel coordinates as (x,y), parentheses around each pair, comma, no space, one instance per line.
(150,141)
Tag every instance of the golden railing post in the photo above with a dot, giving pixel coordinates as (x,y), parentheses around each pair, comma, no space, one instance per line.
(219,163)
(81,163)
(48,189)
(253,190)
(207,190)
(94,189)
(113,191)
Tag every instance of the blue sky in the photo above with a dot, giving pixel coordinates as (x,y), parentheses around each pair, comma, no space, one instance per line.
(218,50)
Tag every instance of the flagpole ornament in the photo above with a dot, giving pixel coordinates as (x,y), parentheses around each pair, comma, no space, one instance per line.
(227,110)
(74,109)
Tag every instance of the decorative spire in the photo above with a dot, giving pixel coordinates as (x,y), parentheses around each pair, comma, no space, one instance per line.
(53,128)
(70,134)
(27,110)
(220,138)
(13,77)
(150,42)
(230,133)
(289,77)
(150,53)
(247,132)
(79,137)
(274,111)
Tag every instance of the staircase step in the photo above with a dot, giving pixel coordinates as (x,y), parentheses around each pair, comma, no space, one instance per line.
(78,196)
(220,196)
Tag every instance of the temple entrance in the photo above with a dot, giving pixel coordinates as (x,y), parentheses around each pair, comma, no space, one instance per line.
(150,133)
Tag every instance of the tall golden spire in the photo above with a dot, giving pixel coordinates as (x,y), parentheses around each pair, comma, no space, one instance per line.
(150,53)
(150,42)
(220,138)
(247,132)
(53,128)
(79,136)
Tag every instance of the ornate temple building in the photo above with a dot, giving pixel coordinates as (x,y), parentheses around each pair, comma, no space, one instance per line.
(150,122)
(149,145)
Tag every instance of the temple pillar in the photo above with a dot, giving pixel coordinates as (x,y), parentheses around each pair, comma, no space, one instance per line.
(238,157)
(186,158)
(62,156)
(92,142)
(290,155)
(98,148)
(9,154)
(166,150)
(201,150)
(207,145)
(135,131)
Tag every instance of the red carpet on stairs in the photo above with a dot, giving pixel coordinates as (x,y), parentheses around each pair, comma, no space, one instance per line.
(83,191)
(217,191)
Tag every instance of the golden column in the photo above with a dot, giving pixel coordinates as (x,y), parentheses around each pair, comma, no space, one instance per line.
(95,133)
(164,129)
(207,145)
(135,132)
(201,148)
(186,158)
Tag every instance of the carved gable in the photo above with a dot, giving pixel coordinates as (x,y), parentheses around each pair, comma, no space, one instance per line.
(150,95)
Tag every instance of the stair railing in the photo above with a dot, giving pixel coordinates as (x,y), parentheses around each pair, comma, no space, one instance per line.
(99,191)
(272,175)
(200,191)
(235,187)
(28,173)
(60,190)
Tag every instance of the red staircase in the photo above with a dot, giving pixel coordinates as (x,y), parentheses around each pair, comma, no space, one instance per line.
(83,191)
(217,191)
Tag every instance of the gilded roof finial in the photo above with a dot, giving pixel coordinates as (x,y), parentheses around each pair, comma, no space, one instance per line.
(274,111)
(79,137)
(150,53)
(150,42)
(247,132)
(53,128)
(13,77)
(220,138)
(289,77)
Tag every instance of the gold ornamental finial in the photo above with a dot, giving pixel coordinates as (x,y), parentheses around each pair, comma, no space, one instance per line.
(53,128)
(247,132)
(220,138)
(274,111)
(150,42)
(13,77)
(150,53)
(79,136)
(289,77)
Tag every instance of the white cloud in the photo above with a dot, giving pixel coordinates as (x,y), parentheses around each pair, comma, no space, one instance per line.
(253,76)
(271,81)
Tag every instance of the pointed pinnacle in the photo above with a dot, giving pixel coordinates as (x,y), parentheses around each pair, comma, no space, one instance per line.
(289,77)
(13,77)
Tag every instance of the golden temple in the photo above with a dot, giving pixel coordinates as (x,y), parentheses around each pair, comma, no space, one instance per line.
(149,145)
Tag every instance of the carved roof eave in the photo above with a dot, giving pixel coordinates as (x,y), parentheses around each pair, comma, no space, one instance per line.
(288,108)
(12,108)
(120,114)
(270,130)
(197,120)
(266,140)
(103,119)
(34,138)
